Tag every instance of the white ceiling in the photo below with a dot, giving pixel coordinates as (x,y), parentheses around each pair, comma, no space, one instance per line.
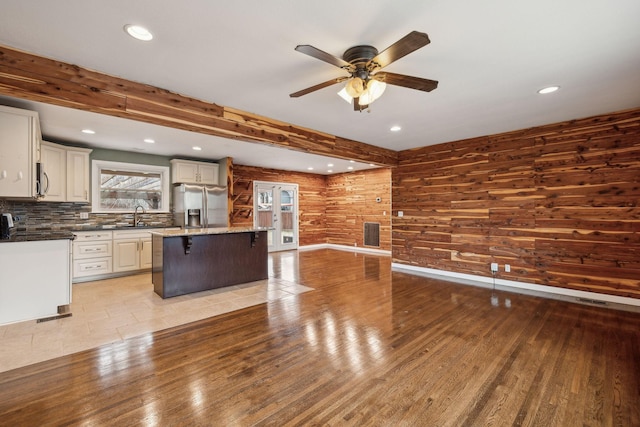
(490,58)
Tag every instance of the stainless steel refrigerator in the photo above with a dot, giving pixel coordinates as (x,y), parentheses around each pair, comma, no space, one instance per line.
(199,205)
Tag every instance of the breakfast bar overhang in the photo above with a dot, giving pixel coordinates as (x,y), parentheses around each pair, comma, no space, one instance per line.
(194,260)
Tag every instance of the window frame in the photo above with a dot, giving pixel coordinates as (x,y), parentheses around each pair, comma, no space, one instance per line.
(96,170)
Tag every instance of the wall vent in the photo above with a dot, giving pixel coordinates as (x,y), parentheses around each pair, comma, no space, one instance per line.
(372,234)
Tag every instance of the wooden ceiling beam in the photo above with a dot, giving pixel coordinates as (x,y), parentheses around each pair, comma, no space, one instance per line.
(27,76)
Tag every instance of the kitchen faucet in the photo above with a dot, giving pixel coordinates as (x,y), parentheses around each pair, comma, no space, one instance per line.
(137,220)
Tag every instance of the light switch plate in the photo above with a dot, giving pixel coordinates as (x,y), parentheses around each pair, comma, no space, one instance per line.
(84,215)
(494,266)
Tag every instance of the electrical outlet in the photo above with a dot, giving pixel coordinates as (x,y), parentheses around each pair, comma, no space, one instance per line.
(400,214)
(84,215)
(507,268)
(494,267)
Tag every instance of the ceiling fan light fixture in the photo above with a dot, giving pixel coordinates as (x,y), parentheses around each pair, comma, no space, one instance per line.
(375,89)
(344,95)
(355,87)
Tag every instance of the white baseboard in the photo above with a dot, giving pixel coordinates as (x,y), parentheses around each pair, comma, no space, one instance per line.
(344,248)
(571,295)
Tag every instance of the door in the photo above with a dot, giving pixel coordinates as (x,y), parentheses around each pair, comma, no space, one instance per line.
(125,255)
(217,206)
(54,163)
(145,253)
(276,207)
(77,176)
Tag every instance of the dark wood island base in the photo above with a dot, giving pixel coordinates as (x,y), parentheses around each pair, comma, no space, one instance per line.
(194,260)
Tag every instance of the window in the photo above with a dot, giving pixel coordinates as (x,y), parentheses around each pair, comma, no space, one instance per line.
(120,187)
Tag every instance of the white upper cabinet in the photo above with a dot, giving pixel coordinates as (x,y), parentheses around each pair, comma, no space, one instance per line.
(189,172)
(66,173)
(19,152)
(78,171)
(54,164)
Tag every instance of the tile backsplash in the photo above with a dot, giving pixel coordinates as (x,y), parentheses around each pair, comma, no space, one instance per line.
(50,216)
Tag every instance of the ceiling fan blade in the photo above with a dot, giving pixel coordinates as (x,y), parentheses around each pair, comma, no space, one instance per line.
(412,41)
(323,56)
(417,83)
(317,87)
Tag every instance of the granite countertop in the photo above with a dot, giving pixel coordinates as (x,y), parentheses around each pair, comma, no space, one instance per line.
(120,227)
(38,236)
(205,231)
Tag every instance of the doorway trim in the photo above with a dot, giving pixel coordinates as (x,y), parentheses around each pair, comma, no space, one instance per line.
(276,236)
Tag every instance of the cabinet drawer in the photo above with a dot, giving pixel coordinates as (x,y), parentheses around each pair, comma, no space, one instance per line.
(131,234)
(82,236)
(91,267)
(83,250)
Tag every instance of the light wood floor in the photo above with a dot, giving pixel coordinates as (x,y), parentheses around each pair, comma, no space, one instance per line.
(366,347)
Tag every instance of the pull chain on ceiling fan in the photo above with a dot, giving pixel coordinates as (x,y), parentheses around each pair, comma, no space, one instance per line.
(365,82)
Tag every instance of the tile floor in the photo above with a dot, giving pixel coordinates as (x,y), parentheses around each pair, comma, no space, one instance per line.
(112,310)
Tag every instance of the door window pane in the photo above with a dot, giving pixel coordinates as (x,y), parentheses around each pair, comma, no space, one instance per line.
(265,208)
(287,198)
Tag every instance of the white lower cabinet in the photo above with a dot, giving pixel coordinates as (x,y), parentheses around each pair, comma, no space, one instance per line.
(131,250)
(127,254)
(104,253)
(35,279)
(145,253)
(92,253)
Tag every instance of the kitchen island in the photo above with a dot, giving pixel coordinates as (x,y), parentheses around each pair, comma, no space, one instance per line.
(198,259)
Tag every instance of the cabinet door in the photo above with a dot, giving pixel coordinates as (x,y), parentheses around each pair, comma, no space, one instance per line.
(15,155)
(125,255)
(185,172)
(77,176)
(208,174)
(145,253)
(54,160)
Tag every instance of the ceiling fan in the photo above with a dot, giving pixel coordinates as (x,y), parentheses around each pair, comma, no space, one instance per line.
(366,82)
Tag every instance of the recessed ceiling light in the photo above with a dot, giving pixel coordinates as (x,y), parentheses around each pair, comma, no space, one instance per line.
(88,131)
(549,89)
(395,128)
(149,141)
(350,168)
(197,148)
(138,32)
(309,168)
(329,171)
(352,161)
(330,165)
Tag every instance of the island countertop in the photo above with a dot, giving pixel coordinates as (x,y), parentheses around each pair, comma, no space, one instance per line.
(38,236)
(205,231)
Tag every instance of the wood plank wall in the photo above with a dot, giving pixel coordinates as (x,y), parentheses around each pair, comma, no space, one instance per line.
(311,199)
(333,209)
(351,201)
(559,203)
